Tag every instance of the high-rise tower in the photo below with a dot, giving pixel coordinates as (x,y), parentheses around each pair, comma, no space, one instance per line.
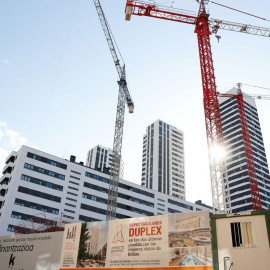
(239,184)
(100,158)
(163,164)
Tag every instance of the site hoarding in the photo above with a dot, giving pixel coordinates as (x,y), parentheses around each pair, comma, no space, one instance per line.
(168,241)
(31,251)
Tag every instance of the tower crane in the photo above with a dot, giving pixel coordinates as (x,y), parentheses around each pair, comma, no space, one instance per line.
(123,98)
(255,194)
(204,27)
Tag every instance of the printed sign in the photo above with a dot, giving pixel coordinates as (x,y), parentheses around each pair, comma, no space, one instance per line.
(177,240)
(70,245)
(31,251)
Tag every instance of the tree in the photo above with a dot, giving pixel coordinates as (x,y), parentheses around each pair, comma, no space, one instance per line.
(82,254)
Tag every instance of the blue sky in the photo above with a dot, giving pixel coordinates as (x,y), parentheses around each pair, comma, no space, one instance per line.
(59,89)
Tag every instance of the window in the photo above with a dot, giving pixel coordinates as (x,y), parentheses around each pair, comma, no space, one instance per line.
(71,182)
(76,172)
(72,188)
(11,228)
(71,205)
(73,194)
(74,177)
(70,211)
(242,234)
(70,199)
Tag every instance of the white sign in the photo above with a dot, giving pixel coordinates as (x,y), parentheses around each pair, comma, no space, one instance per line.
(31,251)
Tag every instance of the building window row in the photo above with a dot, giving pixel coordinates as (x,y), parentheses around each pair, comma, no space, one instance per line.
(121,185)
(180,204)
(70,199)
(87,219)
(170,210)
(46,160)
(232,108)
(100,211)
(119,205)
(39,194)
(44,171)
(74,183)
(73,188)
(34,219)
(70,211)
(71,193)
(233,125)
(73,177)
(36,206)
(66,216)
(120,195)
(41,182)
(70,205)
(76,172)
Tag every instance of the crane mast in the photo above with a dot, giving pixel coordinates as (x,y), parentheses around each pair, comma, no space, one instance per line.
(123,99)
(217,165)
(204,27)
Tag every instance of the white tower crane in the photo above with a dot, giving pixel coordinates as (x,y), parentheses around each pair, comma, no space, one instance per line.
(123,97)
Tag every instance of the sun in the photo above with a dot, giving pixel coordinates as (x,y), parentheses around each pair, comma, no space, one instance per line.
(217,153)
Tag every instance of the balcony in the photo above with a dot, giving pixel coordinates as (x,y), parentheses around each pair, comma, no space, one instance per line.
(8,168)
(11,158)
(2,201)
(5,179)
(3,192)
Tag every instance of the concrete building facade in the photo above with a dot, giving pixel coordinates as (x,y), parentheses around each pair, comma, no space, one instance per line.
(163,163)
(36,184)
(239,186)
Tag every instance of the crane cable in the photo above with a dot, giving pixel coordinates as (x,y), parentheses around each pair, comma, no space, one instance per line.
(57,71)
(265,88)
(111,33)
(240,11)
(114,41)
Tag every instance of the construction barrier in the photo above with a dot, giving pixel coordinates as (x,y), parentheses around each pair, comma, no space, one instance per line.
(158,242)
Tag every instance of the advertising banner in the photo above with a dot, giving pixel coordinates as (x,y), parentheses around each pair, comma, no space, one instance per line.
(31,251)
(173,241)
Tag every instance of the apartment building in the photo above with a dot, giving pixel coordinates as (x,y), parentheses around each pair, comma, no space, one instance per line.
(41,187)
(163,162)
(239,185)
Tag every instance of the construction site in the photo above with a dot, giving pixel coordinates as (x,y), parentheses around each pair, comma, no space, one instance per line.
(127,225)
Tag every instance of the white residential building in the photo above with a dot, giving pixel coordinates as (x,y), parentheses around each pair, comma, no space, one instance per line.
(38,186)
(239,184)
(163,163)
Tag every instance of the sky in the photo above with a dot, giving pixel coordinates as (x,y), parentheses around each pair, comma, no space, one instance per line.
(59,86)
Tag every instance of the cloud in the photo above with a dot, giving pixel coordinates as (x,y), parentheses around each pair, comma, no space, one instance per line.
(1,134)
(14,138)
(6,61)
(10,140)
(3,155)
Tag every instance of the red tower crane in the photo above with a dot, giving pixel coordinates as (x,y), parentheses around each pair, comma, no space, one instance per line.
(218,168)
